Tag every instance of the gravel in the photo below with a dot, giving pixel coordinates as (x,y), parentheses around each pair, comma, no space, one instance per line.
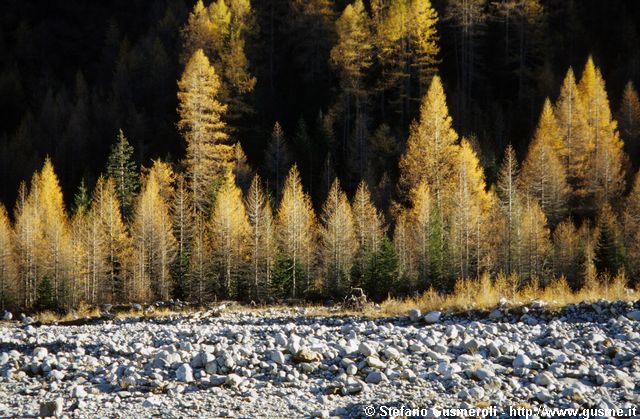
(284,363)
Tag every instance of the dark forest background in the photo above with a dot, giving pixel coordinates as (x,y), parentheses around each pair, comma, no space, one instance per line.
(73,73)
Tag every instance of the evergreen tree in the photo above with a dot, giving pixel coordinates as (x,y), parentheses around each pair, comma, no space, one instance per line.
(82,199)
(382,271)
(277,160)
(610,253)
(122,169)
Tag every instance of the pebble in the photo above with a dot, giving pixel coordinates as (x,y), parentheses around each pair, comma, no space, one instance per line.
(283,363)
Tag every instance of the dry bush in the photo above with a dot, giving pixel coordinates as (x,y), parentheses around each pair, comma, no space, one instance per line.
(485,293)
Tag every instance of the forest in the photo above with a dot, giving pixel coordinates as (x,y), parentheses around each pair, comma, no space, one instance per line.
(293,149)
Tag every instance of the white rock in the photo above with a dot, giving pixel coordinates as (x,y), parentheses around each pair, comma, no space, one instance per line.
(40,353)
(432,317)
(521,361)
(352,369)
(294,343)
(56,375)
(391,353)
(78,392)
(152,402)
(184,373)
(374,362)
(7,316)
(278,357)
(366,349)
(544,379)
(233,380)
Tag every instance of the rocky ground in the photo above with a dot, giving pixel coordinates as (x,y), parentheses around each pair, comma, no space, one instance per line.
(287,364)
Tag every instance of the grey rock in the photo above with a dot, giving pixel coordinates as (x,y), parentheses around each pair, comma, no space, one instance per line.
(184,373)
(7,316)
(634,315)
(483,374)
(375,377)
(52,408)
(414,314)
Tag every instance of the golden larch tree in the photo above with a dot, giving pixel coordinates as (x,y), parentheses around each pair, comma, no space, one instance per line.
(152,236)
(469,213)
(228,230)
(338,240)
(8,285)
(420,233)
(28,243)
(352,54)
(296,225)
(261,240)
(543,175)
(571,118)
(208,150)
(509,206)
(369,229)
(535,246)
(631,225)
(605,165)
(182,220)
(431,148)
(114,283)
